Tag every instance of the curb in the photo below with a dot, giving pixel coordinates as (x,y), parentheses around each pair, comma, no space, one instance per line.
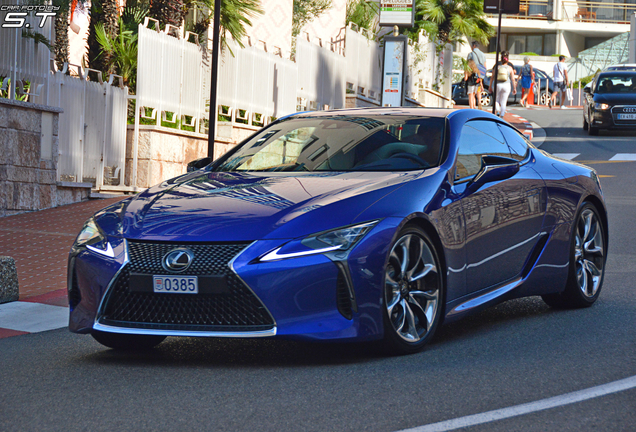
(8,280)
(524,126)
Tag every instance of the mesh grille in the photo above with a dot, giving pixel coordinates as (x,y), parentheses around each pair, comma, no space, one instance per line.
(236,310)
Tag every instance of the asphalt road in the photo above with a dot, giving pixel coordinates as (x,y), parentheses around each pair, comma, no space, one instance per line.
(518,352)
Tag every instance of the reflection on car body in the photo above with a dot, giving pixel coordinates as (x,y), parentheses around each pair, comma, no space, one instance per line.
(350,225)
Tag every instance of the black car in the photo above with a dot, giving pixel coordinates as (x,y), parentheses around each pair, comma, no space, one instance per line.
(461,97)
(610,102)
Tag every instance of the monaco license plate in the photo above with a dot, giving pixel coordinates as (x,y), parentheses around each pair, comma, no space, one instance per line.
(627,116)
(175,284)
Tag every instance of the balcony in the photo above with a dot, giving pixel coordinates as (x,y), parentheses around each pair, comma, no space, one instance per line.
(574,11)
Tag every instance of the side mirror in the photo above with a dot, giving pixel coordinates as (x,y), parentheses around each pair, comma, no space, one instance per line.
(587,90)
(199,163)
(495,168)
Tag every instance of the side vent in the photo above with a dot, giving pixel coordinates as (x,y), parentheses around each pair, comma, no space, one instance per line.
(344,294)
(74,294)
(536,253)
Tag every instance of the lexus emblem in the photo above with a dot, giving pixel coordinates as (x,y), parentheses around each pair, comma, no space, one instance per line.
(177,260)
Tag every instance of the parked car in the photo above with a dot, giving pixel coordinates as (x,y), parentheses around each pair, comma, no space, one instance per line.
(610,102)
(461,98)
(349,225)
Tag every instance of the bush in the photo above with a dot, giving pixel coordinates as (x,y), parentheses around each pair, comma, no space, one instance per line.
(528,54)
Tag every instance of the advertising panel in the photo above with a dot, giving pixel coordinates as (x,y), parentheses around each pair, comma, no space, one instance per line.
(393,71)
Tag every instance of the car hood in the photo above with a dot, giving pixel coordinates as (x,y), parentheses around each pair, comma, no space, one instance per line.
(212,206)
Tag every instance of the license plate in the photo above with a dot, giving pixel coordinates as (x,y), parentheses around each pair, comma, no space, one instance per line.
(627,116)
(175,284)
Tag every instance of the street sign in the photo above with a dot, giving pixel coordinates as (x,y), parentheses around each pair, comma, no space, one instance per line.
(510,7)
(399,13)
(393,71)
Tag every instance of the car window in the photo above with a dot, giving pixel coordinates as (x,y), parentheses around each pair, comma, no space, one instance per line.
(608,83)
(516,142)
(342,143)
(477,139)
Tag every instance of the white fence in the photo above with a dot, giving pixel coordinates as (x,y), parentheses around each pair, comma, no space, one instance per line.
(363,57)
(171,76)
(92,128)
(21,59)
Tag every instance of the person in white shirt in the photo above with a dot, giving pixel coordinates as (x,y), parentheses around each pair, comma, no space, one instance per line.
(506,80)
(560,74)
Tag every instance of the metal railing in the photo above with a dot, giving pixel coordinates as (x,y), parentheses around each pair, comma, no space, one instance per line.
(531,9)
(585,11)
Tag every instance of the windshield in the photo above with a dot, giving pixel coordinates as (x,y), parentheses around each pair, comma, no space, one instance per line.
(342,143)
(616,84)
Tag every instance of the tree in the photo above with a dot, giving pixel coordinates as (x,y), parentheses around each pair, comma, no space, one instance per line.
(168,11)
(450,21)
(363,13)
(106,13)
(305,11)
(235,18)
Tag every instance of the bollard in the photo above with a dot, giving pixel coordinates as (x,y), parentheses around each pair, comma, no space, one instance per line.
(8,280)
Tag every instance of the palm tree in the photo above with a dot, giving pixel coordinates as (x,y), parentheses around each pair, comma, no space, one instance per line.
(450,21)
(106,13)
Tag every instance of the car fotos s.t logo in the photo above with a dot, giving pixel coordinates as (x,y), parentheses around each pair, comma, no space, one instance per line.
(16,15)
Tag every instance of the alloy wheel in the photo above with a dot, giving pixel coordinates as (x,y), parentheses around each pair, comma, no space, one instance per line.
(412,288)
(589,253)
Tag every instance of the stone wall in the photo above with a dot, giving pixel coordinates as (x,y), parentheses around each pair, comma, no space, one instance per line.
(28,159)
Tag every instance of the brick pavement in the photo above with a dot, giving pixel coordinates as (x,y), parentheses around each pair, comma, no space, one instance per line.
(39,242)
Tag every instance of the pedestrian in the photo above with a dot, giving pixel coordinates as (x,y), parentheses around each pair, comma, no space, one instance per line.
(527,80)
(506,80)
(560,74)
(471,76)
(479,58)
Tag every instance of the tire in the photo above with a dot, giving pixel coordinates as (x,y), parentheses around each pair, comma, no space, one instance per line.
(587,262)
(127,342)
(592,130)
(413,293)
(545,97)
(486,99)
(585,124)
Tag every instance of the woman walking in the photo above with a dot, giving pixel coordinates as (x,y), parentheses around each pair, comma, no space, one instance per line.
(472,83)
(505,77)
(527,79)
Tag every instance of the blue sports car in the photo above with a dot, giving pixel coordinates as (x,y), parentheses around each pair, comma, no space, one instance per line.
(349,225)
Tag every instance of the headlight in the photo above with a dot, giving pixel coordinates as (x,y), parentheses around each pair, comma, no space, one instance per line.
(601,106)
(92,239)
(341,240)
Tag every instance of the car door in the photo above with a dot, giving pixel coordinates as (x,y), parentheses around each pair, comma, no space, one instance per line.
(503,218)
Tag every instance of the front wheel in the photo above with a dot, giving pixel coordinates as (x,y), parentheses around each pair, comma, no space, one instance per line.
(585,124)
(127,342)
(587,262)
(413,292)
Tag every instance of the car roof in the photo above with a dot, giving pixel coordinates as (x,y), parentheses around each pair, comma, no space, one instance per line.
(624,73)
(617,67)
(406,111)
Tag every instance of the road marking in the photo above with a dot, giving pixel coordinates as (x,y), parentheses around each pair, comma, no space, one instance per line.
(32,317)
(624,157)
(527,408)
(568,156)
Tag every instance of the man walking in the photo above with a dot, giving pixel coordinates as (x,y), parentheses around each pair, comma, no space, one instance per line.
(480,60)
(560,74)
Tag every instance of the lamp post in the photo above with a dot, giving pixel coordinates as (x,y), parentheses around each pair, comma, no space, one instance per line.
(215,74)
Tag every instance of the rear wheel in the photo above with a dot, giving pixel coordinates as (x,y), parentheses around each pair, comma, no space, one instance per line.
(127,342)
(545,97)
(413,292)
(587,262)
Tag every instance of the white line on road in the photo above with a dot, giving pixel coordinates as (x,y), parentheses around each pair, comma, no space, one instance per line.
(527,408)
(568,156)
(624,157)
(32,317)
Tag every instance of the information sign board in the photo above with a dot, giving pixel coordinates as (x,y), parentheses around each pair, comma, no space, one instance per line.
(399,13)
(393,71)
